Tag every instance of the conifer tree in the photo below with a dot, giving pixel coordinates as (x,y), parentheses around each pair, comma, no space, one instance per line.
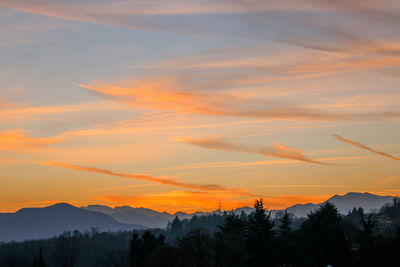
(259,235)
(176,226)
(230,245)
(323,237)
(38,261)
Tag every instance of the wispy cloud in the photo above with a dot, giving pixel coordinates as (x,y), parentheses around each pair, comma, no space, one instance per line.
(18,141)
(303,186)
(391,182)
(169,94)
(275,150)
(142,177)
(236,164)
(14,111)
(326,25)
(359,145)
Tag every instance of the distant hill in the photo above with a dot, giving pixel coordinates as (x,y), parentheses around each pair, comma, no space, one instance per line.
(149,217)
(36,223)
(369,202)
(129,215)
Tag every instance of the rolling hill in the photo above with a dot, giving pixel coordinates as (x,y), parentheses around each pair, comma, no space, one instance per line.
(36,223)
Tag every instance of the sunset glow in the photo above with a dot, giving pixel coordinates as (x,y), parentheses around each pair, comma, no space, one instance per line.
(193,104)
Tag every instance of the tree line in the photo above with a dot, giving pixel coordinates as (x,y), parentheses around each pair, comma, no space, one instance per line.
(324,238)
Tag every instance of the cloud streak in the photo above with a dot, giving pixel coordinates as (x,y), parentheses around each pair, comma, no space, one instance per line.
(169,94)
(141,177)
(18,141)
(233,164)
(275,150)
(359,145)
(324,25)
(14,111)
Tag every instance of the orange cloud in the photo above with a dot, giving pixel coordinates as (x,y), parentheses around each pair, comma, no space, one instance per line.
(19,112)
(391,182)
(359,145)
(170,94)
(17,141)
(250,66)
(276,150)
(154,125)
(303,186)
(236,164)
(165,181)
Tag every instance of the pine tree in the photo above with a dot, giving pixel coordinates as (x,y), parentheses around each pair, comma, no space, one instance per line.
(176,226)
(284,227)
(286,250)
(38,261)
(324,239)
(259,235)
(142,248)
(196,249)
(367,241)
(230,244)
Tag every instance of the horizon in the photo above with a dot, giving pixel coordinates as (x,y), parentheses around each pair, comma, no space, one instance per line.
(183,105)
(250,205)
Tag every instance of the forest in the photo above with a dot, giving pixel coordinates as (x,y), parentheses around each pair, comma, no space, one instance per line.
(324,238)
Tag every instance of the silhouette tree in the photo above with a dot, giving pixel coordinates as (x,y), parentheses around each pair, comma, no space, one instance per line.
(66,251)
(142,248)
(163,256)
(38,260)
(176,225)
(284,226)
(286,250)
(230,245)
(259,235)
(195,249)
(367,241)
(323,238)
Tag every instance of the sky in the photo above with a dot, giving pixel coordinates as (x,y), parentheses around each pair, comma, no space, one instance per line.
(185,105)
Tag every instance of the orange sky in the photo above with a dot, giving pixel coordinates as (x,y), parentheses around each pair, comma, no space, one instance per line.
(195,103)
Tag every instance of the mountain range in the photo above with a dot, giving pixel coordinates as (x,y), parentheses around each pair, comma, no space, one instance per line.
(369,202)
(35,223)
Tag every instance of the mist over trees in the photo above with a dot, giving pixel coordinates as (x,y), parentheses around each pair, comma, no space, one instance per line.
(324,238)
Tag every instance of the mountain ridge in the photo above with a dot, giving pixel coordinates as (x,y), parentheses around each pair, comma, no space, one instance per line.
(55,219)
(367,201)
(46,222)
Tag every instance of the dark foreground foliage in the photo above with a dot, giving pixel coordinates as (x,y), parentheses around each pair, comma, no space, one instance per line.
(324,238)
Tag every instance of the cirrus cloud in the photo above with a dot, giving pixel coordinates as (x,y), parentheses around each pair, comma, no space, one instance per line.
(142,177)
(18,141)
(324,25)
(359,145)
(170,94)
(275,150)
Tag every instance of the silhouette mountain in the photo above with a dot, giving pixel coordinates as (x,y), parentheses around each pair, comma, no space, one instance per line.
(129,215)
(369,202)
(149,217)
(36,223)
